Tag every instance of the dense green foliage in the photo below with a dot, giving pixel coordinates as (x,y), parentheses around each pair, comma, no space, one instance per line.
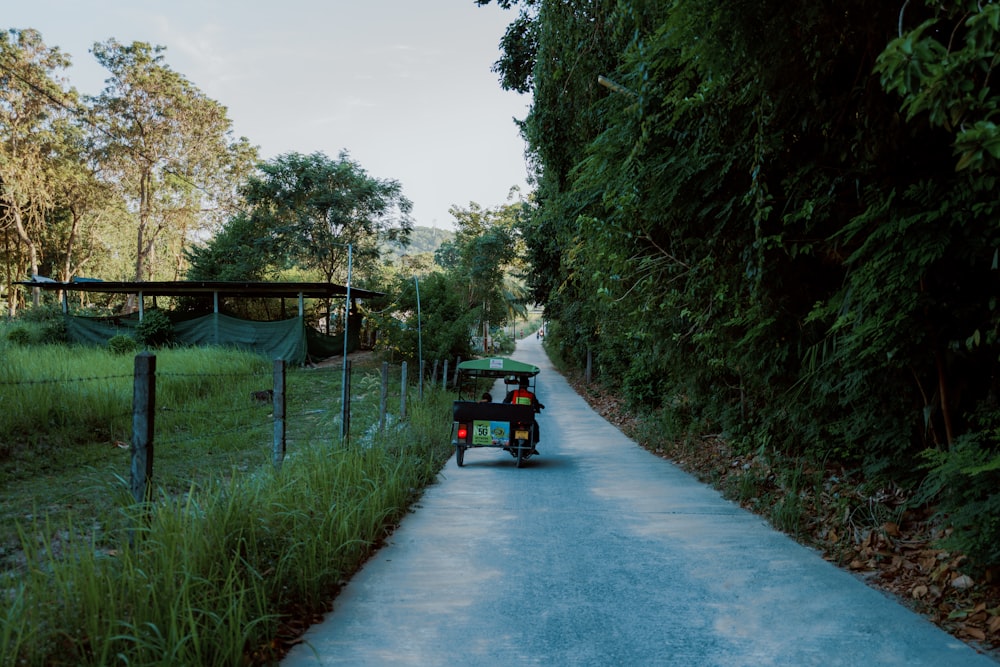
(39,326)
(777,221)
(422,241)
(301,213)
(458,306)
(122,344)
(155,329)
(306,218)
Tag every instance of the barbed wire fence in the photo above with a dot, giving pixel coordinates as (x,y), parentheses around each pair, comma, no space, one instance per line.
(144,436)
(183,421)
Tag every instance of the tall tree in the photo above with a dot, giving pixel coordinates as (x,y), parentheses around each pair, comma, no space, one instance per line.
(486,262)
(164,144)
(304,211)
(82,203)
(34,126)
(302,214)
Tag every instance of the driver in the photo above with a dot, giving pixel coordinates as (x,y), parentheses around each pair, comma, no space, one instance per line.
(524,396)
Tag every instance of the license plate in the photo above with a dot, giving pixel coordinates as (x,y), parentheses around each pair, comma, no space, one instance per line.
(521,435)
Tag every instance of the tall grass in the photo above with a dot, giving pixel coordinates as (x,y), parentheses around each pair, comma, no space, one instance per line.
(85,393)
(208,576)
(52,389)
(206,579)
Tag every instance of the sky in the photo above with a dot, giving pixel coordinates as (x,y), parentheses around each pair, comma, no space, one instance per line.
(404,86)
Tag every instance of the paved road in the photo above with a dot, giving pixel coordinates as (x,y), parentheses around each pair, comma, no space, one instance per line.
(599,553)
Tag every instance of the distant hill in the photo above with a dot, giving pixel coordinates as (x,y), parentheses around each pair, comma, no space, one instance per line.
(422,239)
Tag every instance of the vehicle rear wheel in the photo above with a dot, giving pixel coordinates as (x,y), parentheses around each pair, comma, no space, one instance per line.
(460,455)
(522,452)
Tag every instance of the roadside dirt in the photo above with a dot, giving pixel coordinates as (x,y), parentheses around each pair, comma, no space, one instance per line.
(890,547)
(360,358)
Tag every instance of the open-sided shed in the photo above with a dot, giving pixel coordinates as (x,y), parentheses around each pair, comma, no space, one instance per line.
(289,339)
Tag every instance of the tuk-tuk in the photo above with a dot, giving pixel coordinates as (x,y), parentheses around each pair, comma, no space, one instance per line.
(505,425)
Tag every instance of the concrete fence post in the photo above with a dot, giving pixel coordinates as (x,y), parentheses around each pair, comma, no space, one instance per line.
(143,414)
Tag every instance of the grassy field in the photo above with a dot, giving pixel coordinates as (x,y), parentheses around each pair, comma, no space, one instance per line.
(231,553)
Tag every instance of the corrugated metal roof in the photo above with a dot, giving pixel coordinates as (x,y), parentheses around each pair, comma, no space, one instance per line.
(205,287)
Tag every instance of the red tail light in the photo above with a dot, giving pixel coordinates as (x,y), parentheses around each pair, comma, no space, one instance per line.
(463,432)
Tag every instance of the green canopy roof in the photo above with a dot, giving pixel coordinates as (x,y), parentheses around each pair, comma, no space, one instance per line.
(496,367)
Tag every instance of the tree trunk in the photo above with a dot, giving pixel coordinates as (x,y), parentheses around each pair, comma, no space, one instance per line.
(943,393)
(144,214)
(67,271)
(32,251)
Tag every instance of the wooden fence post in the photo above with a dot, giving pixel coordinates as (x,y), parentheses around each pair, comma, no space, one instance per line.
(278,446)
(402,393)
(434,374)
(454,383)
(444,376)
(143,413)
(384,397)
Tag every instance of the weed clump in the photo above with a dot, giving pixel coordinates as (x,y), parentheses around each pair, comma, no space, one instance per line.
(155,329)
(122,344)
(20,336)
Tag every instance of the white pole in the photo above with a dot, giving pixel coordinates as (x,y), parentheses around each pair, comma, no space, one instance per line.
(343,379)
(420,339)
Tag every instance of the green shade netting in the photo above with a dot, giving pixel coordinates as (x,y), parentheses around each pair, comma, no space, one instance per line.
(288,339)
(322,346)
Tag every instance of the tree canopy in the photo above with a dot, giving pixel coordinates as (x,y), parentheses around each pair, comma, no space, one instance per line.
(777,221)
(163,144)
(302,212)
(150,157)
(475,287)
(35,126)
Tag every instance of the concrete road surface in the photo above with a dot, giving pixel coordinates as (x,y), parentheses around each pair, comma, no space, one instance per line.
(599,553)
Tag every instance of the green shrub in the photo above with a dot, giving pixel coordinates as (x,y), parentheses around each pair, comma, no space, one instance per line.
(41,314)
(122,344)
(155,329)
(644,381)
(20,336)
(42,325)
(965,482)
(502,342)
(53,332)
